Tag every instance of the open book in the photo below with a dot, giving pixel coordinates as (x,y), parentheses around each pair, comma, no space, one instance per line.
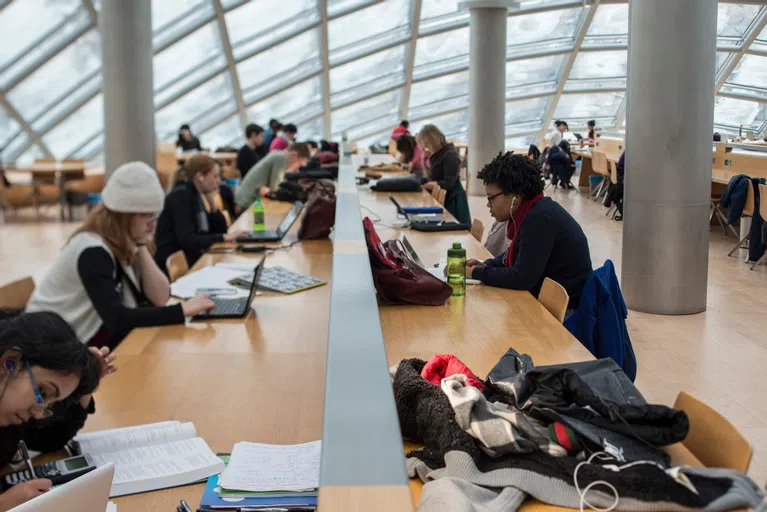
(151,457)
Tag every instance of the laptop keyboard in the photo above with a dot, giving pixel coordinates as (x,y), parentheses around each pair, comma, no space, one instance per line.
(228,307)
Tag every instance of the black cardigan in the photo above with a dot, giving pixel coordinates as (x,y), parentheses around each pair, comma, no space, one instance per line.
(47,435)
(550,244)
(177,227)
(445,167)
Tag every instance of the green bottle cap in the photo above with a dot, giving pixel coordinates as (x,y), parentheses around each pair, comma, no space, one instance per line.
(457,245)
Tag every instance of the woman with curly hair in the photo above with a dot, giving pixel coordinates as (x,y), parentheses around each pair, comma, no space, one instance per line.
(546,241)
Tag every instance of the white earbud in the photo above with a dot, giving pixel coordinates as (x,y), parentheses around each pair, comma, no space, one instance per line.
(511,208)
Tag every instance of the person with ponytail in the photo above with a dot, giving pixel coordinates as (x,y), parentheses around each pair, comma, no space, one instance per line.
(47,377)
(197,213)
(545,240)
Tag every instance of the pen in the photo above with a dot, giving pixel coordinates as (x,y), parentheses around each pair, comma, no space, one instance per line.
(27,460)
(185,507)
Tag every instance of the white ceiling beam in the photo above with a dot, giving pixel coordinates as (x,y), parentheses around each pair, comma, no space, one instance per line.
(734,58)
(34,137)
(223,32)
(568,65)
(322,5)
(415,20)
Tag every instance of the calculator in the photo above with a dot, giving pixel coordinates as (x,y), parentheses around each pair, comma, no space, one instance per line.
(59,472)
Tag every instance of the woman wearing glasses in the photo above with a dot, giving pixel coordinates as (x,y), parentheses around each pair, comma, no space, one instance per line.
(46,380)
(545,240)
(105,282)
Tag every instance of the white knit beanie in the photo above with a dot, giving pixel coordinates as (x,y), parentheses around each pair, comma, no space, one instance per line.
(133,188)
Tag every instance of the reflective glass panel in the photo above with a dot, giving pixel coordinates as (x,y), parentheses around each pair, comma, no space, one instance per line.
(366,117)
(29,156)
(77,129)
(549,30)
(313,130)
(188,61)
(531,76)
(439,94)
(441,53)
(227,133)
(453,126)
(733,22)
(291,105)
(732,113)
(368,75)
(576,107)
(525,115)
(174,18)
(751,71)
(338,7)
(368,29)
(598,70)
(8,127)
(278,67)
(520,144)
(610,26)
(760,43)
(260,23)
(440,14)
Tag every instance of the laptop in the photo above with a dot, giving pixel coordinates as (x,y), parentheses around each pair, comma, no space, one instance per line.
(86,493)
(282,230)
(234,308)
(423,219)
(578,136)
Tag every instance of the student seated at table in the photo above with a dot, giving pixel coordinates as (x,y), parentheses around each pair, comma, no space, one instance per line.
(558,134)
(186,140)
(444,170)
(197,213)
(248,155)
(411,154)
(269,134)
(592,126)
(105,282)
(533,153)
(403,128)
(47,377)
(284,138)
(545,240)
(267,174)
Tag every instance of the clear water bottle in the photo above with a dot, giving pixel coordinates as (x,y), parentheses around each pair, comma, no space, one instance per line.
(456,269)
(258,216)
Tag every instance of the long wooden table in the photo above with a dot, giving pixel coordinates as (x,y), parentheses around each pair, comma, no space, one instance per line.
(256,379)
(479,327)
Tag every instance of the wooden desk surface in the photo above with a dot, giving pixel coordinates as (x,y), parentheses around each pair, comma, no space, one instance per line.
(51,168)
(477,328)
(258,379)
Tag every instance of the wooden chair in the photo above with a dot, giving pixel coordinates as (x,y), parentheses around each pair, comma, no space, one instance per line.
(177,265)
(167,163)
(435,191)
(554,298)
(614,180)
(477,230)
(712,439)
(748,211)
(599,166)
(763,214)
(16,295)
(442,196)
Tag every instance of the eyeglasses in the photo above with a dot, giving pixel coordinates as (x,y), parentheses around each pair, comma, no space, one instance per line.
(41,407)
(490,198)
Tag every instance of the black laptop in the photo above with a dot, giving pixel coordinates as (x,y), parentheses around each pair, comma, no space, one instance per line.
(282,230)
(234,308)
(423,219)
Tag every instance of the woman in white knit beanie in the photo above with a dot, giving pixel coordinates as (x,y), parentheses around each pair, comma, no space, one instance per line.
(105,282)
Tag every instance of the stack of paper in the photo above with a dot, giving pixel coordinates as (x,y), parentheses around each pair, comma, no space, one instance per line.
(268,475)
(215,277)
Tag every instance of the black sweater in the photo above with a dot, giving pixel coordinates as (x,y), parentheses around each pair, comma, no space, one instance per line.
(178,229)
(445,167)
(550,244)
(97,272)
(189,145)
(47,435)
(247,157)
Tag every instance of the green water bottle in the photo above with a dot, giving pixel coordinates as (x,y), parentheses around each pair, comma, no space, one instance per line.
(258,215)
(456,269)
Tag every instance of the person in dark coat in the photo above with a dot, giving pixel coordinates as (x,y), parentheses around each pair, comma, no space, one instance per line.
(546,241)
(47,377)
(196,214)
(187,141)
(444,170)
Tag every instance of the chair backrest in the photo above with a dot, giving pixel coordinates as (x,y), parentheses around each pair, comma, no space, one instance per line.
(177,265)
(477,229)
(45,160)
(712,438)
(442,196)
(554,298)
(166,147)
(435,191)
(599,163)
(15,295)
(748,208)
(763,201)
(613,171)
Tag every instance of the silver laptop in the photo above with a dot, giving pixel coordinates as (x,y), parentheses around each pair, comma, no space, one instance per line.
(282,230)
(87,493)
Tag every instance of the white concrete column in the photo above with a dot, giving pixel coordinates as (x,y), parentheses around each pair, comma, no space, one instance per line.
(670,115)
(487,84)
(126,41)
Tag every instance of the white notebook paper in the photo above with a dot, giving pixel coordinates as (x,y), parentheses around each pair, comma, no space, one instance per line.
(259,467)
(151,457)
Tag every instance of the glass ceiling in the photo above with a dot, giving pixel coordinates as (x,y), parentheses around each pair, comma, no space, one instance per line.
(50,69)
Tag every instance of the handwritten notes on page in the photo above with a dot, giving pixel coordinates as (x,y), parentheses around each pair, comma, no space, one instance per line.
(259,467)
